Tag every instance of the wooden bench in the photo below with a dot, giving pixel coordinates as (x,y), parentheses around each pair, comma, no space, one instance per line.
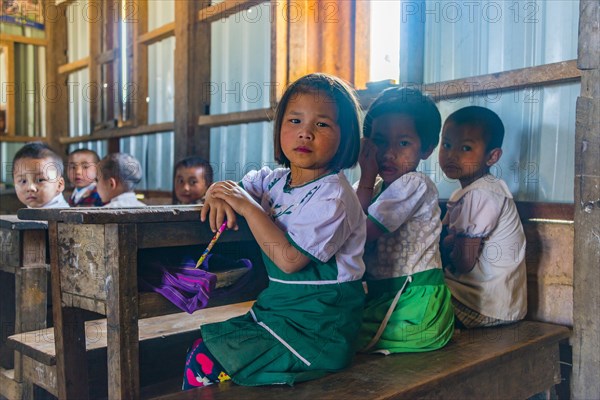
(163,344)
(23,292)
(512,362)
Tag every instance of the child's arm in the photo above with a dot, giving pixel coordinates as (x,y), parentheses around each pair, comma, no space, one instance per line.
(368,173)
(269,237)
(463,253)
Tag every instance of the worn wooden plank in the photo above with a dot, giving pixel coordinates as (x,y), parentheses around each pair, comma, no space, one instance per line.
(116,133)
(12,222)
(9,388)
(10,257)
(11,112)
(586,297)
(156,35)
(40,214)
(236,118)
(70,332)
(122,312)
(511,362)
(187,233)
(81,252)
(225,9)
(192,79)
(549,261)
(140,63)
(74,66)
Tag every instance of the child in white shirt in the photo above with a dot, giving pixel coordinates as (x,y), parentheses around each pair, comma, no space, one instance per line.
(118,173)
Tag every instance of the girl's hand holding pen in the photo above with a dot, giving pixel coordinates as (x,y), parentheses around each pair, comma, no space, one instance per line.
(224,200)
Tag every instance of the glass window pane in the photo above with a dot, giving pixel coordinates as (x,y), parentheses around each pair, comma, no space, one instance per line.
(477,38)
(537,162)
(160,12)
(385,40)
(238,149)
(155,153)
(78,30)
(161,83)
(241,61)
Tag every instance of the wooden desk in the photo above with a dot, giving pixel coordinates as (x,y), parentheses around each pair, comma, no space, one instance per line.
(23,291)
(94,259)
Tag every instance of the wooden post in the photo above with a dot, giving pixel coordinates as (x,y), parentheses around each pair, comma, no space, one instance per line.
(57,95)
(586,297)
(192,79)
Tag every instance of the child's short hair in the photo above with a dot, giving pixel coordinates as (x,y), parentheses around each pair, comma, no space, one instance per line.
(492,128)
(123,167)
(38,151)
(348,116)
(197,162)
(411,102)
(88,151)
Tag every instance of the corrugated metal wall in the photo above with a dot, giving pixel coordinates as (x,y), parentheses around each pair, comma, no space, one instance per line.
(476,38)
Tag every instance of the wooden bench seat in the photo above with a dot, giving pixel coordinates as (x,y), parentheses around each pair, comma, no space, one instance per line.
(171,333)
(511,362)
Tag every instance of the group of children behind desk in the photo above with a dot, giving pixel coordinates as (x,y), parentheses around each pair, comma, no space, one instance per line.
(320,237)
(310,225)
(110,182)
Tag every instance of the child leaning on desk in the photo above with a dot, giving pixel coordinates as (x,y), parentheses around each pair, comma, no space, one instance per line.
(484,250)
(408,307)
(310,227)
(38,176)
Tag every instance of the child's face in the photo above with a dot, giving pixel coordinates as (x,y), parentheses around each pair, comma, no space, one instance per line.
(310,135)
(398,145)
(190,184)
(463,153)
(37,181)
(82,169)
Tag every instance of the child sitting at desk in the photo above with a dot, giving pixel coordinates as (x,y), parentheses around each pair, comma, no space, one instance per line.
(193,175)
(484,251)
(118,173)
(408,307)
(82,174)
(38,176)
(309,225)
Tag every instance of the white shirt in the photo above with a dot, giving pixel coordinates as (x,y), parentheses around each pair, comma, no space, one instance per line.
(408,212)
(125,200)
(57,202)
(322,217)
(496,286)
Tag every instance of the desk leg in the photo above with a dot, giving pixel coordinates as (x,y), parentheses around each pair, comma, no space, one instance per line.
(122,312)
(69,334)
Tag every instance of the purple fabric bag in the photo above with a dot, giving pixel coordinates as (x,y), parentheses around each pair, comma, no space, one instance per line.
(187,287)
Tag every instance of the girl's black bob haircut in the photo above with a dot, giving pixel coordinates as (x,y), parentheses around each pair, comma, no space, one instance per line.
(325,86)
(411,102)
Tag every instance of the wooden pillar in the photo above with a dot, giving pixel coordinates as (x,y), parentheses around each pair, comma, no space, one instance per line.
(412,42)
(192,79)
(57,96)
(586,296)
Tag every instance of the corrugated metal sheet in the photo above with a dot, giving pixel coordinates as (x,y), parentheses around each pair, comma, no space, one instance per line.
(240,81)
(476,38)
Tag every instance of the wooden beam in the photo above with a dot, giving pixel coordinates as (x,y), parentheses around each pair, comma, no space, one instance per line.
(95,46)
(225,9)
(192,77)
(586,247)
(22,139)
(140,65)
(74,66)
(492,85)
(11,93)
(279,52)
(25,40)
(106,57)
(57,97)
(236,118)
(156,35)
(117,133)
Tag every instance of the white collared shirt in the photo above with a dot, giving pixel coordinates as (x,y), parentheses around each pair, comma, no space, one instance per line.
(126,199)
